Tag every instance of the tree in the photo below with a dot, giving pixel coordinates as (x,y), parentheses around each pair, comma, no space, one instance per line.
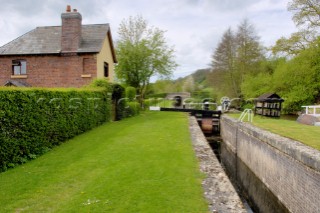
(306,16)
(237,55)
(298,80)
(306,13)
(188,84)
(142,52)
(249,50)
(291,46)
(223,69)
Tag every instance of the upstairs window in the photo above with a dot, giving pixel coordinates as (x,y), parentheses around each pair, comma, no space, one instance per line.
(106,69)
(19,67)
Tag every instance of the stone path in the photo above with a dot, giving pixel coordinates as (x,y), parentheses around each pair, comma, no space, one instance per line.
(219,192)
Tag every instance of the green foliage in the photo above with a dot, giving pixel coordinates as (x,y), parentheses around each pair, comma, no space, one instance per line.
(306,15)
(157,95)
(132,108)
(131,93)
(34,120)
(142,52)
(256,85)
(101,83)
(119,101)
(207,93)
(296,80)
(237,55)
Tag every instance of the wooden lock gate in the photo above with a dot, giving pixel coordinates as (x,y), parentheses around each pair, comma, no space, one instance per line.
(208,120)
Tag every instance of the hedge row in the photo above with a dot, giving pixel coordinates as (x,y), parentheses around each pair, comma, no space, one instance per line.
(34,120)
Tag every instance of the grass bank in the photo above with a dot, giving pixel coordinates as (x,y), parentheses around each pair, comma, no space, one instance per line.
(141,164)
(309,135)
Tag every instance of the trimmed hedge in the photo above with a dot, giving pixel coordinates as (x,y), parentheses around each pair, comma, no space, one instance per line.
(35,120)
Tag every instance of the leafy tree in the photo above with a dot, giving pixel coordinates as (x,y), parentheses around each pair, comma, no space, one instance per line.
(142,52)
(306,16)
(236,56)
(298,80)
(249,52)
(223,68)
(306,13)
(291,46)
(189,84)
(256,85)
(130,93)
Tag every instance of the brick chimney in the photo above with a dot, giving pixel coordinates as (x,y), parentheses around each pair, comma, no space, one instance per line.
(71,30)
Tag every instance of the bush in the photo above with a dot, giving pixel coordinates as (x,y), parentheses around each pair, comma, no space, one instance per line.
(132,109)
(102,83)
(131,93)
(159,95)
(35,120)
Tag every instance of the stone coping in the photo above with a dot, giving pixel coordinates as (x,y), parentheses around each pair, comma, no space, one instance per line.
(295,149)
(219,191)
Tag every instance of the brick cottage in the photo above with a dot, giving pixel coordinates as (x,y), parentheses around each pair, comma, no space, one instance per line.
(71,55)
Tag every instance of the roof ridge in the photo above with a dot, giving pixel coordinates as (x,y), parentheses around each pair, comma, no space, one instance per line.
(47,40)
(81,25)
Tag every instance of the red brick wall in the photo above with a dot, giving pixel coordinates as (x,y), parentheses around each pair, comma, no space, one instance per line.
(52,71)
(71,31)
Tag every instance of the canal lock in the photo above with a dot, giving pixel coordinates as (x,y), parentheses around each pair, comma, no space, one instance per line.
(211,130)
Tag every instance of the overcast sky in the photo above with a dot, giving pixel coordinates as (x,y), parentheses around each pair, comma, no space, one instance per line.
(193,27)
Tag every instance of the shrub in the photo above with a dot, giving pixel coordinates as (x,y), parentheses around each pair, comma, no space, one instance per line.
(132,109)
(35,120)
(102,83)
(131,93)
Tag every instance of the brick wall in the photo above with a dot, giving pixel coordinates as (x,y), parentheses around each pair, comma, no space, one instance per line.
(286,168)
(71,31)
(52,70)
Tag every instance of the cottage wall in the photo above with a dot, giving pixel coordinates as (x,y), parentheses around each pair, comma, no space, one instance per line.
(52,70)
(105,55)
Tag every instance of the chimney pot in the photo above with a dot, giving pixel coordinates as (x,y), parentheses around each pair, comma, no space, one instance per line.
(68,8)
(75,10)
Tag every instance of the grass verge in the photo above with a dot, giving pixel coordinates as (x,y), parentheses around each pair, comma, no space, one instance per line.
(141,164)
(309,135)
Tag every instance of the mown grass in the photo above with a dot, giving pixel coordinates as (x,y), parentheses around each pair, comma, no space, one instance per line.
(141,164)
(309,135)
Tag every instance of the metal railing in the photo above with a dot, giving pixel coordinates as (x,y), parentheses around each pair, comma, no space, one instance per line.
(247,112)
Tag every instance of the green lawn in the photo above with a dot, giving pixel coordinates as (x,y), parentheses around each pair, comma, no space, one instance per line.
(309,135)
(141,164)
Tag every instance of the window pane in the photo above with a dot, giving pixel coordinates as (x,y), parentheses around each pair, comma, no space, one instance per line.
(23,67)
(16,70)
(106,70)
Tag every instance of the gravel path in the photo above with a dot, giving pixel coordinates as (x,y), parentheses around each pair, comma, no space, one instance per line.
(219,192)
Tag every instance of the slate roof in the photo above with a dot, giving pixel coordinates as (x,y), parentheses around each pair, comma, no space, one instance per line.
(47,40)
(16,83)
(269,97)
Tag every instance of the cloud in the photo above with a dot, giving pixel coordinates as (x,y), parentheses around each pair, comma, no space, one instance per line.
(194,27)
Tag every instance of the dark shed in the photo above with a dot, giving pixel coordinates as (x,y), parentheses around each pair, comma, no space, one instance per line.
(268,104)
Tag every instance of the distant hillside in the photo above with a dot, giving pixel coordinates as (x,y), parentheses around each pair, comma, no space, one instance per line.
(199,76)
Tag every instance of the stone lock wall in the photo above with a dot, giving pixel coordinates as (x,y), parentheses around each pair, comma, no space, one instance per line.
(277,173)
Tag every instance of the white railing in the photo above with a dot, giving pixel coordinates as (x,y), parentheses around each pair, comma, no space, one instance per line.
(247,112)
(313,109)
